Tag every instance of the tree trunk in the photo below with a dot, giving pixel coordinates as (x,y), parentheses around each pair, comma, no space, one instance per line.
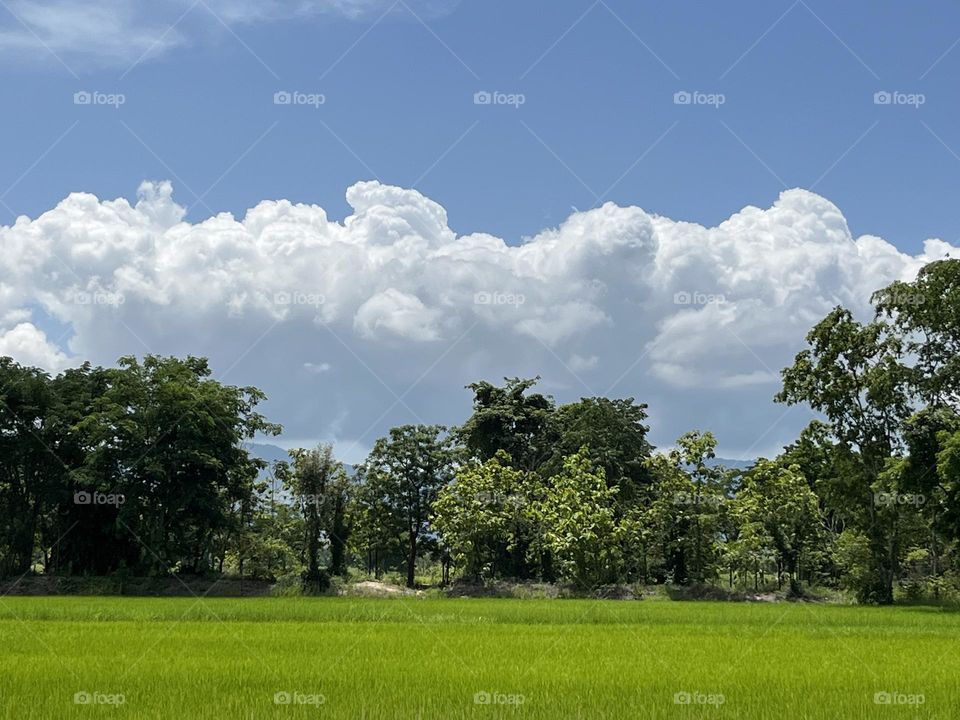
(412,560)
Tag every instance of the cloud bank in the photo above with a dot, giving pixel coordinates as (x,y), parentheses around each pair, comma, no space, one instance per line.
(354,325)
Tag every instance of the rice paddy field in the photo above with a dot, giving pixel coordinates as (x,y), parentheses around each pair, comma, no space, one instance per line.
(117,657)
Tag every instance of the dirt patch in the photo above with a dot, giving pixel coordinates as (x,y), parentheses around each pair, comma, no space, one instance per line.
(373,588)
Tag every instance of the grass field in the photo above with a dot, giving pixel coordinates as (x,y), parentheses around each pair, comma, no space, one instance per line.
(472,658)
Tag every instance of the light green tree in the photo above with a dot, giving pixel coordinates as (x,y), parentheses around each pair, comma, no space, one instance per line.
(578,522)
(483,517)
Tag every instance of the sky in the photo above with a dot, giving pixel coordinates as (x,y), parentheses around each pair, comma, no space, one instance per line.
(360,206)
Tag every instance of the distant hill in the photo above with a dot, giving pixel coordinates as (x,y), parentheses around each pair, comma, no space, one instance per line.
(273,453)
(732,464)
(264,451)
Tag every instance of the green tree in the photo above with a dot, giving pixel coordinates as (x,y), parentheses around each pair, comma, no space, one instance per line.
(169,439)
(309,479)
(483,516)
(508,419)
(615,436)
(408,468)
(30,471)
(776,504)
(852,374)
(926,314)
(578,521)
(377,531)
(686,514)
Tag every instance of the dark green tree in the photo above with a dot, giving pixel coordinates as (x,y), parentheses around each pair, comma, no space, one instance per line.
(508,419)
(852,374)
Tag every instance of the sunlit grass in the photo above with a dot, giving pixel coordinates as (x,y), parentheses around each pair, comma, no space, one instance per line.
(433,658)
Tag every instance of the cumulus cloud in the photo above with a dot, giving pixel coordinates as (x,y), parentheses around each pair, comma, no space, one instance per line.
(398,313)
(696,321)
(29,346)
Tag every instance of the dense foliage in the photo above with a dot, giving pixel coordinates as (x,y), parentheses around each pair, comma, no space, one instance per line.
(141,469)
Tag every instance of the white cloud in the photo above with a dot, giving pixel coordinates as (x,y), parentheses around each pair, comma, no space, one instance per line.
(317,368)
(122,32)
(398,313)
(29,346)
(578,363)
(693,320)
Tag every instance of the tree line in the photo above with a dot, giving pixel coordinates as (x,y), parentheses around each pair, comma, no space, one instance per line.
(143,469)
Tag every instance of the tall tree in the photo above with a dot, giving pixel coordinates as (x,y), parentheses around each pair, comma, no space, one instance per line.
(578,521)
(688,507)
(853,375)
(484,518)
(926,314)
(614,434)
(410,466)
(309,479)
(508,419)
(30,471)
(377,531)
(169,439)
(778,500)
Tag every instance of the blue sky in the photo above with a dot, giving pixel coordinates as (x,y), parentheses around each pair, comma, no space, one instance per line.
(598,80)
(480,252)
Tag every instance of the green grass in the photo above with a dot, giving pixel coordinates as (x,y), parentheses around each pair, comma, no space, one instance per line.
(428,658)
